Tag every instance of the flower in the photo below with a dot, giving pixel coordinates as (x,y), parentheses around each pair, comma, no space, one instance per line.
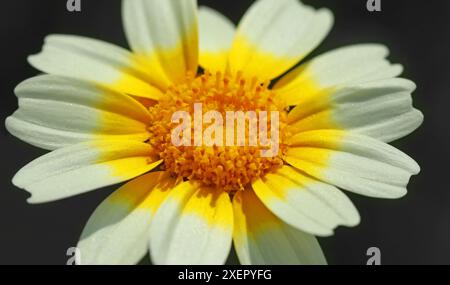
(105,113)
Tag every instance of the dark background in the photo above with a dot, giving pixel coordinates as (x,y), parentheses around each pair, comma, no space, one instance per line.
(413,230)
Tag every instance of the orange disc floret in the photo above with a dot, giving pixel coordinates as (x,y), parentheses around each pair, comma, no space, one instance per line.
(224,166)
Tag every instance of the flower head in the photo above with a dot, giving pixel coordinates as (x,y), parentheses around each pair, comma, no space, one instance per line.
(107,115)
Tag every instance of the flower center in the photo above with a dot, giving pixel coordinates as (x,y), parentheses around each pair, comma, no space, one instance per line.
(230,163)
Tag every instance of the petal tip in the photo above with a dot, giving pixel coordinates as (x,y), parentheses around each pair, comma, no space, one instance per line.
(33,60)
(17,180)
(415,167)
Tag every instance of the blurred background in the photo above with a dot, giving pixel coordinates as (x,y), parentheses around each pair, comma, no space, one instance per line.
(413,230)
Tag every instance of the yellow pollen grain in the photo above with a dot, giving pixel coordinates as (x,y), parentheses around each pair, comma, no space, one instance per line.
(229,168)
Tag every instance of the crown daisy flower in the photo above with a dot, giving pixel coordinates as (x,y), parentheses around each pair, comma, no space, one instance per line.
(106,115)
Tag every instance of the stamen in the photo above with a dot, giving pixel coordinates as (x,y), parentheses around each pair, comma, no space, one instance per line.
(229,168)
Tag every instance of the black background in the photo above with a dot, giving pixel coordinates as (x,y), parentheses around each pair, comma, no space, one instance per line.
(413,230)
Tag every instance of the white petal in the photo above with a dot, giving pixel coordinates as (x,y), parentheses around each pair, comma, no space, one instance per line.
(193,226)
(353,162)
(55,112)
(344,66)
(117,232)
(95,61)
(305,203)
(381,109)
(274,35)
(216,35)
(83,167)
(164,33)
(260,238)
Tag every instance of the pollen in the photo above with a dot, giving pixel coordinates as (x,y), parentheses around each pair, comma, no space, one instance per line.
(226,167)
